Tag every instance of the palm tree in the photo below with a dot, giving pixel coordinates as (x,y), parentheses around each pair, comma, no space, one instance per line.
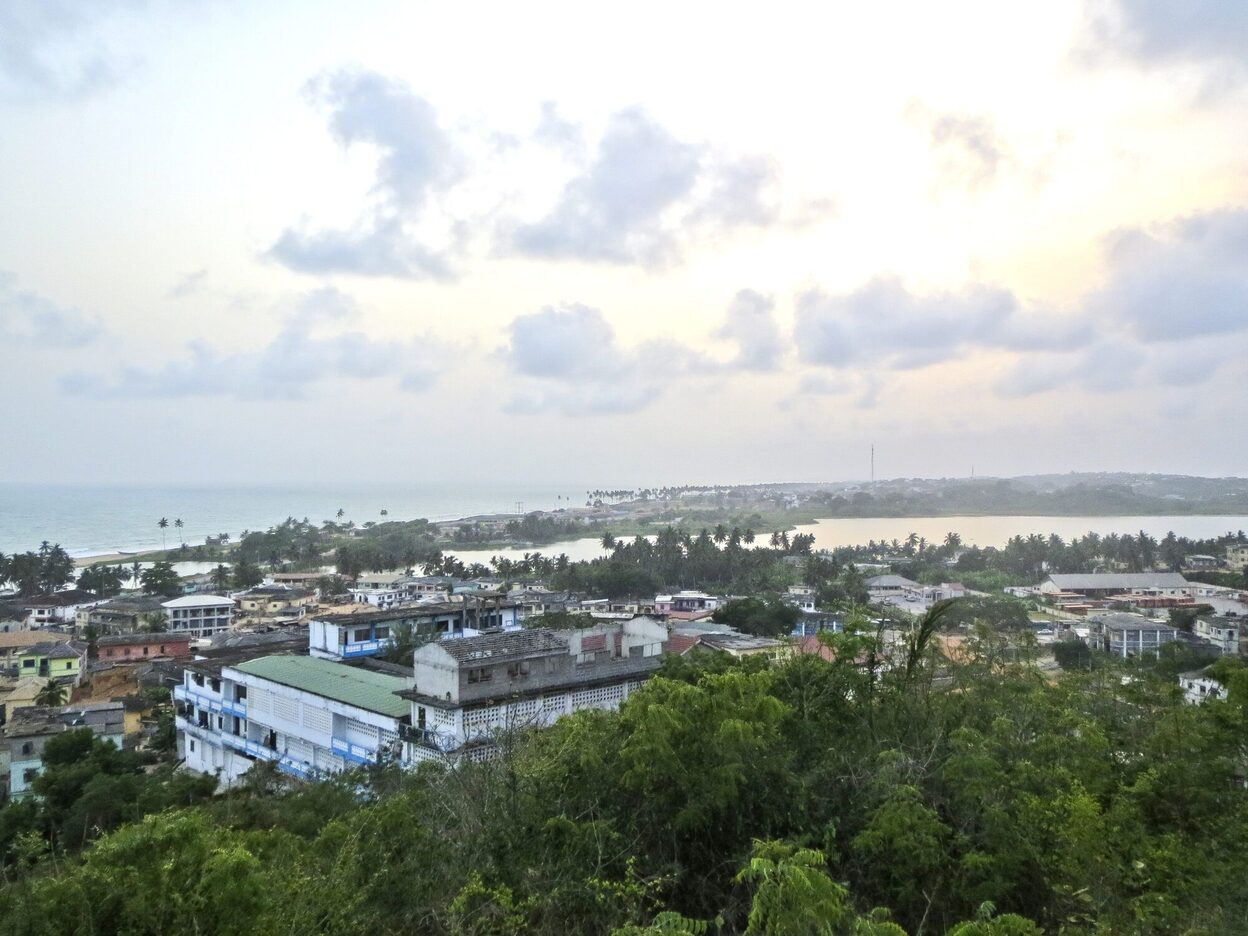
(341,513)
(51,695)
(178,523)
(220,577)
(136,569)
(748,536)
(164,525)
(721,533)
(608,540)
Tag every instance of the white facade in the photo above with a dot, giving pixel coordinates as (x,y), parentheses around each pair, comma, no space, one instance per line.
(1221,633)
(1198,688)
(686,601)
(229,722)
(201,615)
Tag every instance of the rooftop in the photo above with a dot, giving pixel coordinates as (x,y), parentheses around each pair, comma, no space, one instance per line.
(505,644)
(1104,580)
(62,599)
(198,601)
(373,692)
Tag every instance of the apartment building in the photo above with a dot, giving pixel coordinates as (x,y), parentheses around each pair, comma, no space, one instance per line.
(350,636)
(468,692)
(199,615)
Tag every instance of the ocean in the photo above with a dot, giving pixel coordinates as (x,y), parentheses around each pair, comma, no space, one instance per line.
(89,520)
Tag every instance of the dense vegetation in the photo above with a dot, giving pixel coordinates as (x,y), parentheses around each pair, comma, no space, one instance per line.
(727,797)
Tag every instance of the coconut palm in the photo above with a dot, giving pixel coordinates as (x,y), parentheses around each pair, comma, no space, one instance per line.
(178,523)
(220,577)
(52,695)
(608,540)
(164,525)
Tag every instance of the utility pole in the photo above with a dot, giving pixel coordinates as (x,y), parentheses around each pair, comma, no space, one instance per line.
(873,463)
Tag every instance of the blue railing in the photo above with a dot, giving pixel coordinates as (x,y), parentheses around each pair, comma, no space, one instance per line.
(356,753)
(365,647)
(183,694)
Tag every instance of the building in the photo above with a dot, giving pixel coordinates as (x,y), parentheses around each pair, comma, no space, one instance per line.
(468,692)
(1199,561)
(51,659)
(276,600)
(13,618)
(382,590)
(886,586)
(199,615)
(140,648)
(122,615)
(743,645)
(29,730)
(14,643)
(801,597)
(1198,688)
(309,716)
(1237,557)
(57,608)
(368,633)
(687,602)
(812,622)
(1126,635)
(1108,584)
(1223,633)
(534,601)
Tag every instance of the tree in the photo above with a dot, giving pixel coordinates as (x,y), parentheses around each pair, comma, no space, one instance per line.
(160,579)
(247,574)
(761,617)
(608,540)
(103,580)
(51,695)
(178,523)
(163,523)
(220,577)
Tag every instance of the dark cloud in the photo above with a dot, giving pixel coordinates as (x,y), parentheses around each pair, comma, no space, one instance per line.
(49,48)
(751,325)
(417,162)
(31,320)
(643,194)
(295,360)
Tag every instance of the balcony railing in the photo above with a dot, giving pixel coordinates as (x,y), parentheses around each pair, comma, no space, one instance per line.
(356,753)
(183,694)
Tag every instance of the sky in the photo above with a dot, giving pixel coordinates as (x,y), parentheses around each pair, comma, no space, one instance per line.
(649,244)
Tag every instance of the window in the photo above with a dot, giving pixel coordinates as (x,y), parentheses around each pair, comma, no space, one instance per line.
(27,748)
(637,651)
(383,633)
(518,670)
(216,685)
(484,674)
(191,742)
(28,663)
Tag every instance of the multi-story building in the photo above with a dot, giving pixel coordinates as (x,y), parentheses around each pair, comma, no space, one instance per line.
(139,648)
(14,644)
(122,615)
(276,600)
(29,729)
(1126,635)
(368,633)
(1197,688)
(52,659)
(1223,633)
(686,602)
(1237,557)
(199,615)
(309,716)
(57,608)
(468,692)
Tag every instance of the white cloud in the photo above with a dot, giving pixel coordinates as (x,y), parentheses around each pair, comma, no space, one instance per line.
(27,318)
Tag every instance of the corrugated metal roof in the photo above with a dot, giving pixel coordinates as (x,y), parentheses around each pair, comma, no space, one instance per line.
(1104,580)
(374,692)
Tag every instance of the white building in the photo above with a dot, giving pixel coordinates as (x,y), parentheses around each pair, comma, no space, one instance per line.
(1220,632)
(686,602)
(201,615)
(801,597)
(309,716)
(368,633)
(30,728)
(469,692)
(1198,688)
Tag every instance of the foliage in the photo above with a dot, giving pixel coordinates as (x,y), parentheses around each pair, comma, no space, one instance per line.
(761,617)
(160,579)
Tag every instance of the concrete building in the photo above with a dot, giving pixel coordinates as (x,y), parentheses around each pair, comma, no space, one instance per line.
(140,648)
(687,602)
(275,601)
(29,730)
(1109,584)
(58,608)
(13,644)
(311,717)
(1223,633)
(52,659)
(1198,688)
(469,692)
(1237,557)
(121,615)
(366,634)
(1126,635)
(199,615)
(885,586)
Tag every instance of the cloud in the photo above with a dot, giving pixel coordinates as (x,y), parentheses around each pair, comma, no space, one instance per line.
(751,325)
(1211,31)
(572,363)
(188,284)
(1182,280)
(884,324)
(49,50)
(417,162)
(285,368)
(970,149)
(643,194)
(28,319)
(555,131)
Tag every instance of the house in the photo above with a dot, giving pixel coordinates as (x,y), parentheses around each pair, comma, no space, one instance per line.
(930,594)
(368,633)
(57,608)
(1237,557)
(468,692)
(382,590)
(685,602)
(30,729)
(122,615)
(51,659)
(812,622)
(1198,688)
(199,615)
(309,716)
(534,601)
(14,643)
(275,600)
(1107,584)
(13,618)
(801,597)
(140,648)
(1126,635)
(885,586)
(1197,561)
(295,579)
(18,692)
(742,645)
(1223,633)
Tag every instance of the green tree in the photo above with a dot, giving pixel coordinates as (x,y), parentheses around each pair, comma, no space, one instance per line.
(52,694)
(161,579)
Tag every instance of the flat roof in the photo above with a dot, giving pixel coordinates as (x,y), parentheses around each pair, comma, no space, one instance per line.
(373,692)
(198,601)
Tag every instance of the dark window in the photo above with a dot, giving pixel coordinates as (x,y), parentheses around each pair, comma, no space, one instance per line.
(518,670)
(26,748)
(635,652)
(480,675)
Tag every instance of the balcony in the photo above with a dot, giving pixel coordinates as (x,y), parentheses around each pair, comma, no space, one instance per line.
(364,648)
(211,703)
(356,753)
